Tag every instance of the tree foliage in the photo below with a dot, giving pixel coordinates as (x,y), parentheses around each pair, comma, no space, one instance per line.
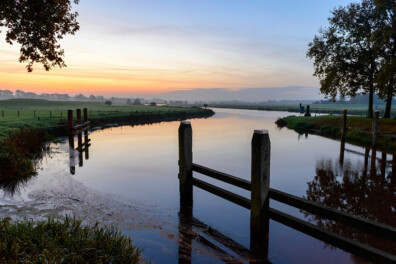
(38,26)
(345,53)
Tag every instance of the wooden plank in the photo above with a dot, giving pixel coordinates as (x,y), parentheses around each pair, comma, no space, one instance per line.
(361,223)
(227,195)
(244,184)
(79,131)
(349,245)
(76,127)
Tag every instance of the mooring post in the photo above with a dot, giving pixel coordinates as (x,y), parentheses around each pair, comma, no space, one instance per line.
(85,114)
(260,182)
(344,122)
(185,164)
(375,128)
(70,121)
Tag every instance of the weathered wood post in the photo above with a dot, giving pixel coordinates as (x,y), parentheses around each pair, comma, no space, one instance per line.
(85,110)
(70,121)
(260,182)
(185,165)
(34,113)
(375,128)
(343,134)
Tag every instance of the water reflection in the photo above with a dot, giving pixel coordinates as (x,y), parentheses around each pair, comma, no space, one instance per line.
(220,246)
(364,186)
(82,147)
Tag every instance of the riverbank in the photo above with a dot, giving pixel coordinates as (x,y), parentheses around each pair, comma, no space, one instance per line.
(359,110)
(52,115)
(358,128)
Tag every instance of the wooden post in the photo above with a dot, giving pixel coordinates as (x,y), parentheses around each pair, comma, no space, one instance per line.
(79,136)
(344,122)
(70,121)
(34,113)
(375,129)
(260,182)
(185,164)
(85,114)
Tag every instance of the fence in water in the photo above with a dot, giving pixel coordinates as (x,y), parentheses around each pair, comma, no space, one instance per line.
(259,203)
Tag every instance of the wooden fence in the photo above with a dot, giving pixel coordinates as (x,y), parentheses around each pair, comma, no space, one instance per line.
(261,193)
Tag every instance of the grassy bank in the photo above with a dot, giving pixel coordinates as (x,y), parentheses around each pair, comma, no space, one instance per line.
(25,113)
(330,126)
(360,110)
(53,241)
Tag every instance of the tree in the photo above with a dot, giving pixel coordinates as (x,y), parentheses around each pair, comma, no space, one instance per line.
(137,102)
(38,26)
(108,102)
(345,56)
(385,40)
(153,103)
(128,101)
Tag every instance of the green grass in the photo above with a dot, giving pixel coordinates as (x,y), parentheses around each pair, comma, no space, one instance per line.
(67,241)
(330,126)
(315,108)
(42,113)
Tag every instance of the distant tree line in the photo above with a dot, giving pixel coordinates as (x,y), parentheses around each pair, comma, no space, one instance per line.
(356,53)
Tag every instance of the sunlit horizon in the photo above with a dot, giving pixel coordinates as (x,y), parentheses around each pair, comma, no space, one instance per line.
(130,47)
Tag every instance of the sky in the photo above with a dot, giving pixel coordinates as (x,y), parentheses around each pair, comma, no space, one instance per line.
(131,47)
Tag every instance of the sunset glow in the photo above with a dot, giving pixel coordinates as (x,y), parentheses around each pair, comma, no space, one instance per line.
(138,47)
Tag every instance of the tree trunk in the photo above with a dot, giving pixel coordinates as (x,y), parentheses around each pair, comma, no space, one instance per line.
(370,106)
(389,97)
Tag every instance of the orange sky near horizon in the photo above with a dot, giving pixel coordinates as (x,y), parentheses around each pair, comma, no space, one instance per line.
(133,49)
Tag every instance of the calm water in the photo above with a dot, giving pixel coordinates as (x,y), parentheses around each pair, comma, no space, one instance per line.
(139,164)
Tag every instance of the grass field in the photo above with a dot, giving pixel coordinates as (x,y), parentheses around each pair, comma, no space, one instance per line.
(25,113)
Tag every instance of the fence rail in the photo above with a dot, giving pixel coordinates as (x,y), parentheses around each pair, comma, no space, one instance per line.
(261,193)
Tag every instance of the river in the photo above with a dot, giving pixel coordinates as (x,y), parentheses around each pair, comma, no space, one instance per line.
(130,180)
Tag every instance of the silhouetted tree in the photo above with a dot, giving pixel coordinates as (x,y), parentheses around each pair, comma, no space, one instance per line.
(108,102)
(345,55)
(38,26)
(137,102)
(153,104)
(385,40)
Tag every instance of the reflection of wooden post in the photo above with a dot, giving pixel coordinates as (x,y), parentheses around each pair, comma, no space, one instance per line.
(185,164)
(185,236)
(260,182)
(79,138)
(375,128)
(383,164)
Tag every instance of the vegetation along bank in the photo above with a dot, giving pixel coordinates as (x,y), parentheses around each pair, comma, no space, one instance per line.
(358,128)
